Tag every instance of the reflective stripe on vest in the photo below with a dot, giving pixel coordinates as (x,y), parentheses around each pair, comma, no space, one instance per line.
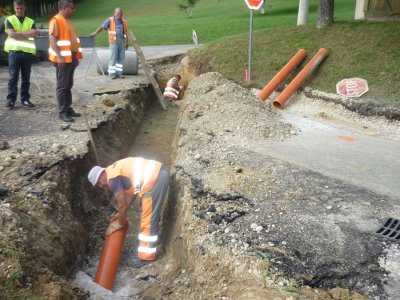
(170,92)
(112,33)
(12,44)
(142,176)
(64,42)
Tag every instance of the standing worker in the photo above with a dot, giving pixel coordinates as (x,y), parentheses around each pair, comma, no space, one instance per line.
(117,37)
(20,46)
(64,51)
(130,179)
(172,88)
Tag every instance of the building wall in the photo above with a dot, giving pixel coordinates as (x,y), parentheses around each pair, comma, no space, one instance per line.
(380,7)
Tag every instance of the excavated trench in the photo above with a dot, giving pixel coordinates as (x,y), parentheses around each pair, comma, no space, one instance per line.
(230,228)
(142,129)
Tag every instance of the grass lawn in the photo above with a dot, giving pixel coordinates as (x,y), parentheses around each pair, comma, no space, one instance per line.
(161,22)
(356,49)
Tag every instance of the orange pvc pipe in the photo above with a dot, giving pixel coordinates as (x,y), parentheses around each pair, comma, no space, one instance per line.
(303,75)
(282,74)
(110,258)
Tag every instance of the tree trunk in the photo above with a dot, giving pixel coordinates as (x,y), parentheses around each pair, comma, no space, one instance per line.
(325,13)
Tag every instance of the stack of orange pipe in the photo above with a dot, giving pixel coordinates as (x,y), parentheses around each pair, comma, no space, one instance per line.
(282,74)
(296,83)
(110,258)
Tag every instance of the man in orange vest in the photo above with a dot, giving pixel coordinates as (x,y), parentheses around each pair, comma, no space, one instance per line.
(117,37)
(144,180)
(64,51)
(172,89)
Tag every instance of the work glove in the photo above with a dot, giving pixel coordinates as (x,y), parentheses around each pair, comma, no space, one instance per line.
(112,227)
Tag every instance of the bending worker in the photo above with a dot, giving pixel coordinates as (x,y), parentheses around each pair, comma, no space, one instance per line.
(136,178)
(117,37)
(172,88)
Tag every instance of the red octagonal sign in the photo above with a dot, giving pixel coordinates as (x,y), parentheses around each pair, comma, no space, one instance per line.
(254,4)
(352,87)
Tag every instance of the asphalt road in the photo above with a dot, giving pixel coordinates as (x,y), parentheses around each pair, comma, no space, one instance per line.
(341,153)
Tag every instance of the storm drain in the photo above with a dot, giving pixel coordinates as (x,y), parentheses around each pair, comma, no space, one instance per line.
(390,229)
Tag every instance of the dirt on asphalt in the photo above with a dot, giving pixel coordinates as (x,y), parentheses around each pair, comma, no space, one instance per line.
(237,224)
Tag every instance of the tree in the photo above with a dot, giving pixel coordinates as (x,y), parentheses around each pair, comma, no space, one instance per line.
(325,13)
(188,5)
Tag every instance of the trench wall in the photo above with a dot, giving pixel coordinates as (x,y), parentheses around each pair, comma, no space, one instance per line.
(74,203)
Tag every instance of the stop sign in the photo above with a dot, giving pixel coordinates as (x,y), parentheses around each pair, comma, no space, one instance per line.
(254,4)
(352,87)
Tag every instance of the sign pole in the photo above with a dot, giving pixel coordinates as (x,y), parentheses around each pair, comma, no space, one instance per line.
(250,46)
(251,4)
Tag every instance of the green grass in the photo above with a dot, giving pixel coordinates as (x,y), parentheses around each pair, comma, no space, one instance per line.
(356,49)
(161,22)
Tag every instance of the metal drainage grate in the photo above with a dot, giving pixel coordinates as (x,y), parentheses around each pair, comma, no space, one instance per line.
(390,229)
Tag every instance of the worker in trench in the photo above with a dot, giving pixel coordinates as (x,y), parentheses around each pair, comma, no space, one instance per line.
(136,179)
(172,89)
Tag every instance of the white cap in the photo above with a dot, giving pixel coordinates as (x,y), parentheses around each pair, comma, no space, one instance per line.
(94,174)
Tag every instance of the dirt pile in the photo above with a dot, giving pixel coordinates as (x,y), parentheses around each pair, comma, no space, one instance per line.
(235,199)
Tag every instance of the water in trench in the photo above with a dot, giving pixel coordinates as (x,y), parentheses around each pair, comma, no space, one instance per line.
(153,141)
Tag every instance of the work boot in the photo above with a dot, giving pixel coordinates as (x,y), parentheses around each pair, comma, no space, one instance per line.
(28,104)
(72,113)
(138,263)
(66,117)
(10,105)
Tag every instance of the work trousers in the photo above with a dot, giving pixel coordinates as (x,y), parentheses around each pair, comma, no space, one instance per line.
(65,82)
(117,58)
(19,61)
(151,206)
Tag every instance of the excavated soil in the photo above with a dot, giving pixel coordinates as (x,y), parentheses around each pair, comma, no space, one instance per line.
(237,224)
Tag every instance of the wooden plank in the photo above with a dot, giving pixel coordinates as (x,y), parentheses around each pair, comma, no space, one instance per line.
(147,69)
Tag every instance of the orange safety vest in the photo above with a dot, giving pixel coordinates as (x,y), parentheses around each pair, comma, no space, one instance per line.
(141,172)
(112,33)
(171,91)
(64,42)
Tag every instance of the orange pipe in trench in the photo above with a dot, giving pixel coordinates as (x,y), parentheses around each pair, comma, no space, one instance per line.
(282,74)
(110,258)
(303,75)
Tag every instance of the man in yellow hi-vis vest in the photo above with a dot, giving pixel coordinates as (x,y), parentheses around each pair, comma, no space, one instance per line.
(20,46)
(140,179)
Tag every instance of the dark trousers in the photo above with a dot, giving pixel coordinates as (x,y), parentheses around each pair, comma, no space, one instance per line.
(19,61)
(65,81)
